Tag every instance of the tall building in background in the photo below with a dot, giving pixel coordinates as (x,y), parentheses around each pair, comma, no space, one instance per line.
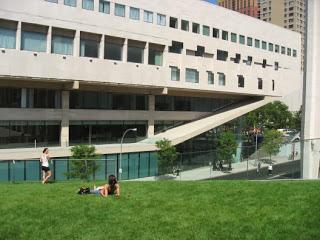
(248,7)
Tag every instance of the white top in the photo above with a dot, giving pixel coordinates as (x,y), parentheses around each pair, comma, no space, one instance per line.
(270,167)
(44,159)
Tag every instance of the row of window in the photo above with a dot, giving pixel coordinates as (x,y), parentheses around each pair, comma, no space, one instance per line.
(185,25)
(192,76)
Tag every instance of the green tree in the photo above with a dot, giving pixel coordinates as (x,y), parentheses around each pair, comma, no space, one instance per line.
(83,164)
(272,142)
(296,120)
(227,146)
(167,156)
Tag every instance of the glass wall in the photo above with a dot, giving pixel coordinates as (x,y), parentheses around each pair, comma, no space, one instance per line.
(160,126)
(105,132)
(175,103)
(107,101)
(10,97)
(23,134)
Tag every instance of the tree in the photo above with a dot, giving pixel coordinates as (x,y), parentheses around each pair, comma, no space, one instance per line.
(167,156)
(272,142)
(227,146)
(82,164)
(296,120)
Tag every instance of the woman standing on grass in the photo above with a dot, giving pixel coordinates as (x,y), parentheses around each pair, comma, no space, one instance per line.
(44,159)
(112,188)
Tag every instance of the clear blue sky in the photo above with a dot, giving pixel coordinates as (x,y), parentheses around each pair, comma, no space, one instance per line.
(212,1)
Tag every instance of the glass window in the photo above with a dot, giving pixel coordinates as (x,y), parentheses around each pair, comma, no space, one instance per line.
(192,75)
(175,73)
(242,39)
(225,35)
(89,48)
(294,53)
(264,45)
(289,51)
(62,45)
(222,55)
(257,43)
(135,54)
(215,32)
(72,3)
(249,41)
(240,81)
(148,16)
(176,47)
(88,4)
(10,97)
(283,50)
(53,1)
(113,51)
(173,22)
(222,79)
(210,77)
(33,41)
(206,30)
(195,28)
(161,19)
(7,38)
(104,6)
(119,10)
(277,48)
(270,47)
(184,25)
(260,83)
(233,37)
(155,57)
(273,85)
(134,13)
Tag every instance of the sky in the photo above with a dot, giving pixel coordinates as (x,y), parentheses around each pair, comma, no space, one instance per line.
(212,1)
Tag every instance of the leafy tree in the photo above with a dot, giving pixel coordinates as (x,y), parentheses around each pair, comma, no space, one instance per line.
(167,156)
(272,142)
(296,120)
(227,146)
(82,164)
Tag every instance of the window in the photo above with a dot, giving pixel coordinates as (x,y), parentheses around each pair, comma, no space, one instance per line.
(34,41)
(88,4)
(222,55)
(225,35)
(276,66)
(260,83)
(161,19)
(294,53)
(242,39)
(273,85)
(283,50)
(233,37)
(148,16)
(289,51)
(155,54)
(277,48)
(192,75)
(195,28)
(176,47)
(257,43)
(104,6)
(222,79)
(237,58)
(53,1)
(7,38)
(185,25)
(270,47)
(249,41)
(175,73)
(119,10)
(89,48)
(206,30)
(113,48)
(173,22)
(248,61)
(135,51)
(210,77)
(215,32)
(240,81)
(264,45)
(134,13)
(62,45)
(71,3)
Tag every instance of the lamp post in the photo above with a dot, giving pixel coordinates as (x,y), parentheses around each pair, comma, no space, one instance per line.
(124,134)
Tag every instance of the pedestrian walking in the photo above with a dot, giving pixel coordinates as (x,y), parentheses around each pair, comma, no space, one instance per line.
(270,169)
(44,160)
(259,168)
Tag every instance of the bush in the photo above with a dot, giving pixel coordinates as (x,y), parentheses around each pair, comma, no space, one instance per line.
(167,156)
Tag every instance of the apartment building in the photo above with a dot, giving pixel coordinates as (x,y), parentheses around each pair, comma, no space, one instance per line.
(248,7)
(83,72)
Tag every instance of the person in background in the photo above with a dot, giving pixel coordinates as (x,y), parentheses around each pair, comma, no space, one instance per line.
(44,160)
(270,168)
(112,188)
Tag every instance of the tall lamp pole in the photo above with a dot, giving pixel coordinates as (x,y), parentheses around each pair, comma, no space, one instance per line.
(124,134)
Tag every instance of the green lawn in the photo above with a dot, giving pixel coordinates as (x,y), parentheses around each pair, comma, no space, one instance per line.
(163,210)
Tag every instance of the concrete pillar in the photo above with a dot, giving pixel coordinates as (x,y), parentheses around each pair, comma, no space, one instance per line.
(151,103)
(311,95)
(64,134)
(18,36)
(49,39)
(76,44)
(101,48)
(96,5)
(125,51)
(146,54)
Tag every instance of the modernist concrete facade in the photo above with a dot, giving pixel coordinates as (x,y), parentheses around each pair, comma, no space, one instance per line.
(144,62)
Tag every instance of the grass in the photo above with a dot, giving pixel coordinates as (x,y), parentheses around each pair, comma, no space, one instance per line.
(163,210)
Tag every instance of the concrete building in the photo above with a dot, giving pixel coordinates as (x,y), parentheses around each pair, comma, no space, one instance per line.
(76,72)
(311,131)
(248,7)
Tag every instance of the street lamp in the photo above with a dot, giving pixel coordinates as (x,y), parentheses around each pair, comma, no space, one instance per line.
(124,134)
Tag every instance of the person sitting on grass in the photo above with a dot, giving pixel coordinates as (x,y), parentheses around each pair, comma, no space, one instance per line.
(112,188)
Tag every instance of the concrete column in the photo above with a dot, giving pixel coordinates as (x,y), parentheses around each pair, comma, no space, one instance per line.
(76,44)
(125,51)
(146,54)
(96,5)
(151,103)
(18,36)
(49,39)
(311,95)
(64,134)
(165,56)
(101,48)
